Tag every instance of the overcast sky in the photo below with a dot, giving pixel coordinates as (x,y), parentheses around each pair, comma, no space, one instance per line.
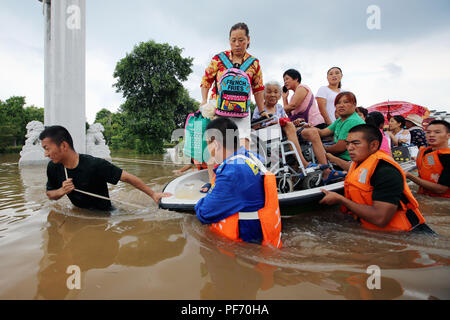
(408,58)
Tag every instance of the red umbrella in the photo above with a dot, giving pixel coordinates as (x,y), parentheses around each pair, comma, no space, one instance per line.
(403,108)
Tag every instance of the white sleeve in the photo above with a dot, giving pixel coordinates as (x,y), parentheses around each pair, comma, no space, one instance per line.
(282,112)
(407,136)
(256,114)
(322,93)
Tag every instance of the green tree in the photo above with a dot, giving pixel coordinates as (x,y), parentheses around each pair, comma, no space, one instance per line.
(33,113)
(13,118)
(116,133)
(150,80)
(185,105)
(252,107)
(104,116)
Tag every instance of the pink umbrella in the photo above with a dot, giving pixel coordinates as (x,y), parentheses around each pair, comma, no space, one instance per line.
(403,108)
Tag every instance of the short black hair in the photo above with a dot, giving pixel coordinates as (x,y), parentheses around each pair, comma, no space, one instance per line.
(225,131)
(375,118)
(370,133)
(400,119)
(241,26)
(363,110)
(442,122)
(294,74)
(58,134)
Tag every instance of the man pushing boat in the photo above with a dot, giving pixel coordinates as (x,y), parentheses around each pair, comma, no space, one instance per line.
(376,192)
(433,162)
(242,203)
(83,177)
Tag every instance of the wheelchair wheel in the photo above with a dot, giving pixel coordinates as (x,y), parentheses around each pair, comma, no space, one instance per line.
(285,185)
(311,181)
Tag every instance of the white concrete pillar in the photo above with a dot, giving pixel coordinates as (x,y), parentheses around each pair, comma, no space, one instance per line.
(65,64)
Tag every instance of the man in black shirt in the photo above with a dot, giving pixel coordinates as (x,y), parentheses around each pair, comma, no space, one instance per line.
(375,187)
(69,170)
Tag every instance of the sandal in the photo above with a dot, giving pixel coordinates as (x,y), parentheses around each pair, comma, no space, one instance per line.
(312,165)
(335,175)
(205,186)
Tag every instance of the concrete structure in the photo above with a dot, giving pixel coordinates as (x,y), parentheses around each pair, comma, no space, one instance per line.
(95,142)
(65,78)
(32,152)
(65,67)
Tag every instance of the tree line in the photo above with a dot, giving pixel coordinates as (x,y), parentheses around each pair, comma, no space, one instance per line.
(150,80)
(14,117)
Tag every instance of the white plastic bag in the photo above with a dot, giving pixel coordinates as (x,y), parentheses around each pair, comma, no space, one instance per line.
(208,110)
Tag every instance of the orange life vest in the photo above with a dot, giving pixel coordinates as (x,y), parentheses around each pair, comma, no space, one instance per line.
(269,216)
(358,189)
(430,169)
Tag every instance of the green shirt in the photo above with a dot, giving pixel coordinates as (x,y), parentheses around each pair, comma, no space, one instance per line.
(341,128)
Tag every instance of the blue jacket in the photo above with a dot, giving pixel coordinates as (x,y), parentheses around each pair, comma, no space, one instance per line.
(238,187)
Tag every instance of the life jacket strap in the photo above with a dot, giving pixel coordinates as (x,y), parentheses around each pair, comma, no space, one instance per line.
(253,159)
(248,215)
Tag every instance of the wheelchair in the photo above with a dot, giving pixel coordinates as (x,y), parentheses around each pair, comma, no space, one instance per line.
(281,156)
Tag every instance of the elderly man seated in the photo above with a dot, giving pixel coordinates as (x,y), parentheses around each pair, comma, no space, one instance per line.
(345,103)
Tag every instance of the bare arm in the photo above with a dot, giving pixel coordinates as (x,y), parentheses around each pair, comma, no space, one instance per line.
(204,95)
(325,132)
(344,164)
(259,100)
(394,140)
(379,214)
(297,99)
(431,186)
(139,184)
(55,194)
(322,103)
(337,148)
(67,187)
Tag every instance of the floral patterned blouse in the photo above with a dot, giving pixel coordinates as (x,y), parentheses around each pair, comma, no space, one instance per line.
(418,137)
(216,69)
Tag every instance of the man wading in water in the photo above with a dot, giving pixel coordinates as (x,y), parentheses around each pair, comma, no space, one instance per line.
(69,170)
(376,192)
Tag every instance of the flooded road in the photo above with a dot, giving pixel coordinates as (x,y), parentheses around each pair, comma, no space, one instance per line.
(158,254)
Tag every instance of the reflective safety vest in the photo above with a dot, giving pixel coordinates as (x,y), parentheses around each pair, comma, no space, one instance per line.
(430,169)
(269,216)
(358,189)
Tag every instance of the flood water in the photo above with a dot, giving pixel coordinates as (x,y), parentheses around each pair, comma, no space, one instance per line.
(158,254)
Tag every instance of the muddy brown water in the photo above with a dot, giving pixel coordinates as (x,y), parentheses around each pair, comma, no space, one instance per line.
(158,254)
